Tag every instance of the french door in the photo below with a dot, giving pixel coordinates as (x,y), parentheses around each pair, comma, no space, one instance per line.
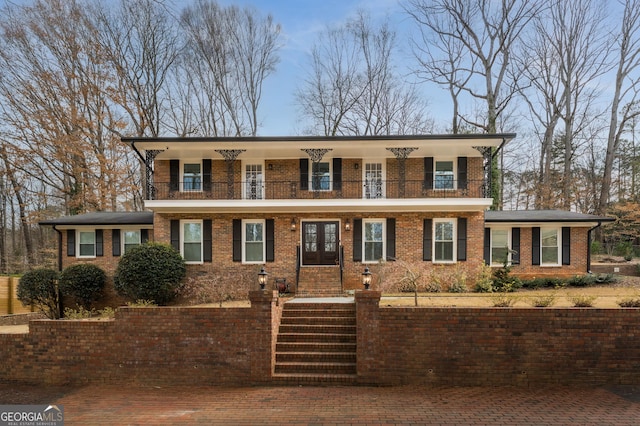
(320,243)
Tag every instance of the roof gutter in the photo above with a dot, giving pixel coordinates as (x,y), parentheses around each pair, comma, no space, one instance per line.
(133,145)
(495,153)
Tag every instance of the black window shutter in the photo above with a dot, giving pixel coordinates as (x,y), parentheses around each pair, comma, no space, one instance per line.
(237,240)
(144,236)
(428,172)
(391,239)
(487,246)
(515,246)
(115,242)
(357,240)
(99,243)
(270,231)
(175,234)
(304,174)
(206,174)
(462,239)
(337,174)
(207,240)
(462,172)
(427,238)
(535,245)
(566,245)
(71,242)
(174,175)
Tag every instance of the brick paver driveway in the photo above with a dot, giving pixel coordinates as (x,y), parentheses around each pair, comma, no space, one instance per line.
(403,405)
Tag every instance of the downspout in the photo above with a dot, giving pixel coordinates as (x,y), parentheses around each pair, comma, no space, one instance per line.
(504,142)
(589,246)
(133,145)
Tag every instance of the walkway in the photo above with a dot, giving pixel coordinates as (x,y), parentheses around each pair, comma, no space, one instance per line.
(404,405)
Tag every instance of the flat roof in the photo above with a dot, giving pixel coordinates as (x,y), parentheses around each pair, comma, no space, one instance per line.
(103,218)
(492,216)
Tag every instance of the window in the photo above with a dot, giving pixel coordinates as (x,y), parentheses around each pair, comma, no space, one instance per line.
(320,176)
(444,240)
(86,244)
(373,240)
(130,239)
(499,246)
(373,187)
(253,182)
(443,177)
(192,241)
(549,246)
(253,239)
(192,177)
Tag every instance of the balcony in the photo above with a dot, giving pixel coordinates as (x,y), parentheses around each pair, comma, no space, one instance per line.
(326,190)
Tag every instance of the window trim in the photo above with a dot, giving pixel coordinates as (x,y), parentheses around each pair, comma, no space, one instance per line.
(78,252)
(183,163)
(509,248)
(454,169)
(558,231)
(454,253)
(383,177)
(244,241)
(182,223)
(328,161)
(364,239)
(122,238)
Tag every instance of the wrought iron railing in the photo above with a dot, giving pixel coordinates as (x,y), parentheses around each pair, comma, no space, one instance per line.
(284,190)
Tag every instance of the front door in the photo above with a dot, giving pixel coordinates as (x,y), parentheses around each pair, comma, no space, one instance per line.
(320,243)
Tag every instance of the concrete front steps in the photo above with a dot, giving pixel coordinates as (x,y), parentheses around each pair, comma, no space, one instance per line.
(316,344)
(319,281)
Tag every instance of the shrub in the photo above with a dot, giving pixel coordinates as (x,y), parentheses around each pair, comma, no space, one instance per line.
(151,271)
(484,280)
(629,302)
(504,300)
(79,313)
(503,281)
(83,282)
(39,287)
(543,301)
(582,300)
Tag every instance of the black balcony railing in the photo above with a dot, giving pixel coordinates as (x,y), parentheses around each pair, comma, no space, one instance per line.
(286,190)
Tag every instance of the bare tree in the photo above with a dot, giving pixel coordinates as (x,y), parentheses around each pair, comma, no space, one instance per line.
(229,54)
(353,88)
(625,89)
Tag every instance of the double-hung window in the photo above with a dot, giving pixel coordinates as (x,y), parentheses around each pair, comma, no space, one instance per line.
(444,240)
(499,246)
(192,177)
(86,243)
(321,176)
(550,246)
(443,175)
(191,241)
(374,237)
(253,241)
(130,239)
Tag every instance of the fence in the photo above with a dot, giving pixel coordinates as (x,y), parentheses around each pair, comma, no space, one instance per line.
(9,303)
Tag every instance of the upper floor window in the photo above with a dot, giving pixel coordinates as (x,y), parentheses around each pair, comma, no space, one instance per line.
(192,177)
(253,241)
(444,240)
(550,246)
(321,176)
(373,239)
(130,239)
(191,248)
(499,246)
(86,244)
(443,176)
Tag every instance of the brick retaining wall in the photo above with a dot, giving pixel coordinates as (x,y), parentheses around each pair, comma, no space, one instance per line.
(395,346)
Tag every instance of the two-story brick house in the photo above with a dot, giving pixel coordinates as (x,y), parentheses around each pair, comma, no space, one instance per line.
(317,210)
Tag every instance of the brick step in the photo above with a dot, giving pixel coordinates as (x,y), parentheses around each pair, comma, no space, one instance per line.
(322,307)
(324,320)
(315,347)
(316,357)
(308,313)
(316,367)
(316,338)
(315,379)
(317,328)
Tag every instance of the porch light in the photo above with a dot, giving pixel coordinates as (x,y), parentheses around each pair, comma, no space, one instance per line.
(293,224)
(366,278)
(262,278)
(347,225)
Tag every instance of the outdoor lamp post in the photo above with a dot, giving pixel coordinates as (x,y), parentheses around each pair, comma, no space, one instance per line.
(262,278)
(366,278)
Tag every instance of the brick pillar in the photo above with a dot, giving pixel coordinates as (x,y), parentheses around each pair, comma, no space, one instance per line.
(368,338)
(261,340)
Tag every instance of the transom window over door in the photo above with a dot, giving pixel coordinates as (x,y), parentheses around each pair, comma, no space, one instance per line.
(373,187)
(253,182)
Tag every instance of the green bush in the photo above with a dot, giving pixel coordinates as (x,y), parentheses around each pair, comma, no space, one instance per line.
(39,287)
(503,281)
(83,282)
(151,271)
